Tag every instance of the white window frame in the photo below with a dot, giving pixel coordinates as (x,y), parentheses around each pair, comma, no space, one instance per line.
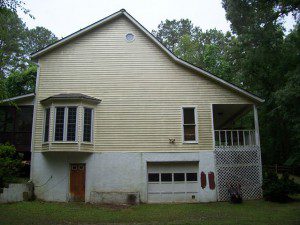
(196,124)
(44,126)
(65,129)
(92,126)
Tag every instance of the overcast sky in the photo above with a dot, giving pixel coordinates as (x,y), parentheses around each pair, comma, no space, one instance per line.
(64,17)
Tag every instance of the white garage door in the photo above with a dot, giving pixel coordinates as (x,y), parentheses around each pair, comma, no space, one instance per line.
(173,182)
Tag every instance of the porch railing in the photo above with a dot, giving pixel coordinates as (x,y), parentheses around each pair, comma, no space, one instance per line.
(235,138)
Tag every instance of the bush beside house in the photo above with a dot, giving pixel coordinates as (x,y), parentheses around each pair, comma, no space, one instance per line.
(278,189)
(10,164)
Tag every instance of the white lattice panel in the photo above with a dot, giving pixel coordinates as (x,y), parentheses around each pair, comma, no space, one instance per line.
(239,165)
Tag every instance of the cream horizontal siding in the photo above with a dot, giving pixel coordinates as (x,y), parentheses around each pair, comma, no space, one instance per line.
(141,88)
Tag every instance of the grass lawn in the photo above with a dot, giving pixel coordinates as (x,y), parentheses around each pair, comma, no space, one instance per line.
(250,212)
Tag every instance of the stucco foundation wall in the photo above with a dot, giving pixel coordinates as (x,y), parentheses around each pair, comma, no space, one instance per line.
(16,193)
(108,172)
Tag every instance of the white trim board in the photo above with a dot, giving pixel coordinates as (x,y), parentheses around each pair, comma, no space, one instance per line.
(123,12)
(18,98)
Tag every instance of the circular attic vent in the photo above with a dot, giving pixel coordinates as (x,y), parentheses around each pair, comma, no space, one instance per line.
(129,37)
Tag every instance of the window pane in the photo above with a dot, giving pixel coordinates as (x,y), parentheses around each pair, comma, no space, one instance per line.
(166,177)
(71,131)
(59,123)
(191,176)
(189,132)
(189,115)
(46,131)
(153,177)
(178,176)
(87,130)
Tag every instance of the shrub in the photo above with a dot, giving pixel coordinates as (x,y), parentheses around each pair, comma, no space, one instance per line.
(277,189)
(10,164)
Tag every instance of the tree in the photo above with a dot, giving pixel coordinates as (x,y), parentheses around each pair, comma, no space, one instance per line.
(12,37)
(211,50)
(14,5)
(16,44)
(170,32)
(21,83)
(269,70)
(38,38)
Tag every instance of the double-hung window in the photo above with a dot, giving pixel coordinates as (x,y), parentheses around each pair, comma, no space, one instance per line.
(65,124)
(87,125)
(189,125)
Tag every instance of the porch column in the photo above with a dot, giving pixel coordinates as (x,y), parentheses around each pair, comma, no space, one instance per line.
(256,125)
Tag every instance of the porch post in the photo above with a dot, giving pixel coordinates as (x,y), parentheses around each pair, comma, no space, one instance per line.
(256,125)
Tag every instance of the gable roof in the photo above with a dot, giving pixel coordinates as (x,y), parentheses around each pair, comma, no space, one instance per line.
(123,12)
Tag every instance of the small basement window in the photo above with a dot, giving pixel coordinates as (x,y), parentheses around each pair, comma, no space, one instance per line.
(189,124)
(153,177)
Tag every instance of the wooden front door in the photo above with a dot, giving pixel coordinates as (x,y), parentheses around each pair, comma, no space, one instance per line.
(77,181)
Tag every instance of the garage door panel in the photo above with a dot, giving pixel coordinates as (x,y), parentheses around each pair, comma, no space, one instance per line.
(167,197)
(191,187)
(152,187)
(154,198)
(179,187)
(166,187)
(175,182)
(179,197)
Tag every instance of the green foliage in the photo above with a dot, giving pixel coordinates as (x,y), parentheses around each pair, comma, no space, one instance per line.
(13,35)
(278,189)
(17,42)
(21,83)
(14,5)
(10,164)
(38,38)
(170,32)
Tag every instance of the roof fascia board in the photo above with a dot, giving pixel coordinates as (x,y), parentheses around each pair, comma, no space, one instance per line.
(17,98)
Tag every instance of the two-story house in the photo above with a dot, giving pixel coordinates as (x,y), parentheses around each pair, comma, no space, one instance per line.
(118,118)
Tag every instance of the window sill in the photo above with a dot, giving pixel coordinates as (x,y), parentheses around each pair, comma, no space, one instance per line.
(65,142)
(190,142)
(87,143)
